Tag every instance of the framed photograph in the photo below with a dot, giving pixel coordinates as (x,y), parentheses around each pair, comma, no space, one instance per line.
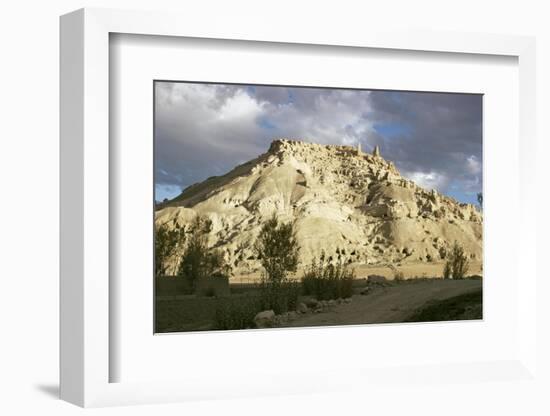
(357,211)
(242,215)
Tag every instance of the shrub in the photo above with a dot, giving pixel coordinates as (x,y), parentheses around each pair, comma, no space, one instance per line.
(327,281)
(236,313)
(457,264)
(398,276)
(290,292)
(198,261)
(280,296)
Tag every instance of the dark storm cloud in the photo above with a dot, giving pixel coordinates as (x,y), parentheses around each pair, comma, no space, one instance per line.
(441,136)
(203,130)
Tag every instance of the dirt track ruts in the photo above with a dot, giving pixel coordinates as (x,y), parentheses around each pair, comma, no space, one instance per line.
(388,304)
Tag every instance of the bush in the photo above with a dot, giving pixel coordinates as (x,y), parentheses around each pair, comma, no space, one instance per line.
(398,276)
(198,261)
(327,281)
(236,313)
(280,296)
(457,264)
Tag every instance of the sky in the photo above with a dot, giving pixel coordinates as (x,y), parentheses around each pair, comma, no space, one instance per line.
(203,130)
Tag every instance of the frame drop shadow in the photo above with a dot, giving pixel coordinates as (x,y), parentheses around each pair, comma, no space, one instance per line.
(51,390)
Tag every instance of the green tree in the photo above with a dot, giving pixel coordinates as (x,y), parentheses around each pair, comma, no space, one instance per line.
(457,264)
(277,249)
(169,244)
(198,261)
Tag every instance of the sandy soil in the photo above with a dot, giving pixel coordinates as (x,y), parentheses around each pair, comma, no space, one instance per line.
(388,304)
(409,270)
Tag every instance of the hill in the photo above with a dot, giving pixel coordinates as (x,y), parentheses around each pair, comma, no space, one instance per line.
(356,207)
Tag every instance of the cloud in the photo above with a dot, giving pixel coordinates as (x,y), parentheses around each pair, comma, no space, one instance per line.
(429,180)
(203,130)
(321,115)
(473,165)
(240,107)
(200,130)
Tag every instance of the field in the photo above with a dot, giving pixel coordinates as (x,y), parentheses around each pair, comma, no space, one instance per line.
(412,300)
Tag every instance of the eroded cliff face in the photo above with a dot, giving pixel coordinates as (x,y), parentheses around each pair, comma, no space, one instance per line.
(355,207)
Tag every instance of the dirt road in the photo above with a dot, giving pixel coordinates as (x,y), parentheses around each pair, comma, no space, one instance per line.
(388,304)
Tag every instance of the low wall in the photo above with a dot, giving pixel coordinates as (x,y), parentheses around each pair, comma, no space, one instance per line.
(173,286)
(213,286)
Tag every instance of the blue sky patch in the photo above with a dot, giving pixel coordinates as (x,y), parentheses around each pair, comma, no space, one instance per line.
(390,130)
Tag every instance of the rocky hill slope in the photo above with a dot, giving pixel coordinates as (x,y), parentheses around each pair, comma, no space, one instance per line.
(355,207)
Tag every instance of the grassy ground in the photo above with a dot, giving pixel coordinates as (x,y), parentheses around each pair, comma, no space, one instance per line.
(467,306)
(197,313)
(178,313)
(188,314)
(407,301)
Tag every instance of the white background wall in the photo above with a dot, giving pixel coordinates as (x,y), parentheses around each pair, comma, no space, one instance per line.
(29,210)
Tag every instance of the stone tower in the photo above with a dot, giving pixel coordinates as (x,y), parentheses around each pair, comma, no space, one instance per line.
(359,152)
(376,151)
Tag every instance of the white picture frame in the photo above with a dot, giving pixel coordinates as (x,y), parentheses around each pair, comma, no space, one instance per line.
(85,354)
